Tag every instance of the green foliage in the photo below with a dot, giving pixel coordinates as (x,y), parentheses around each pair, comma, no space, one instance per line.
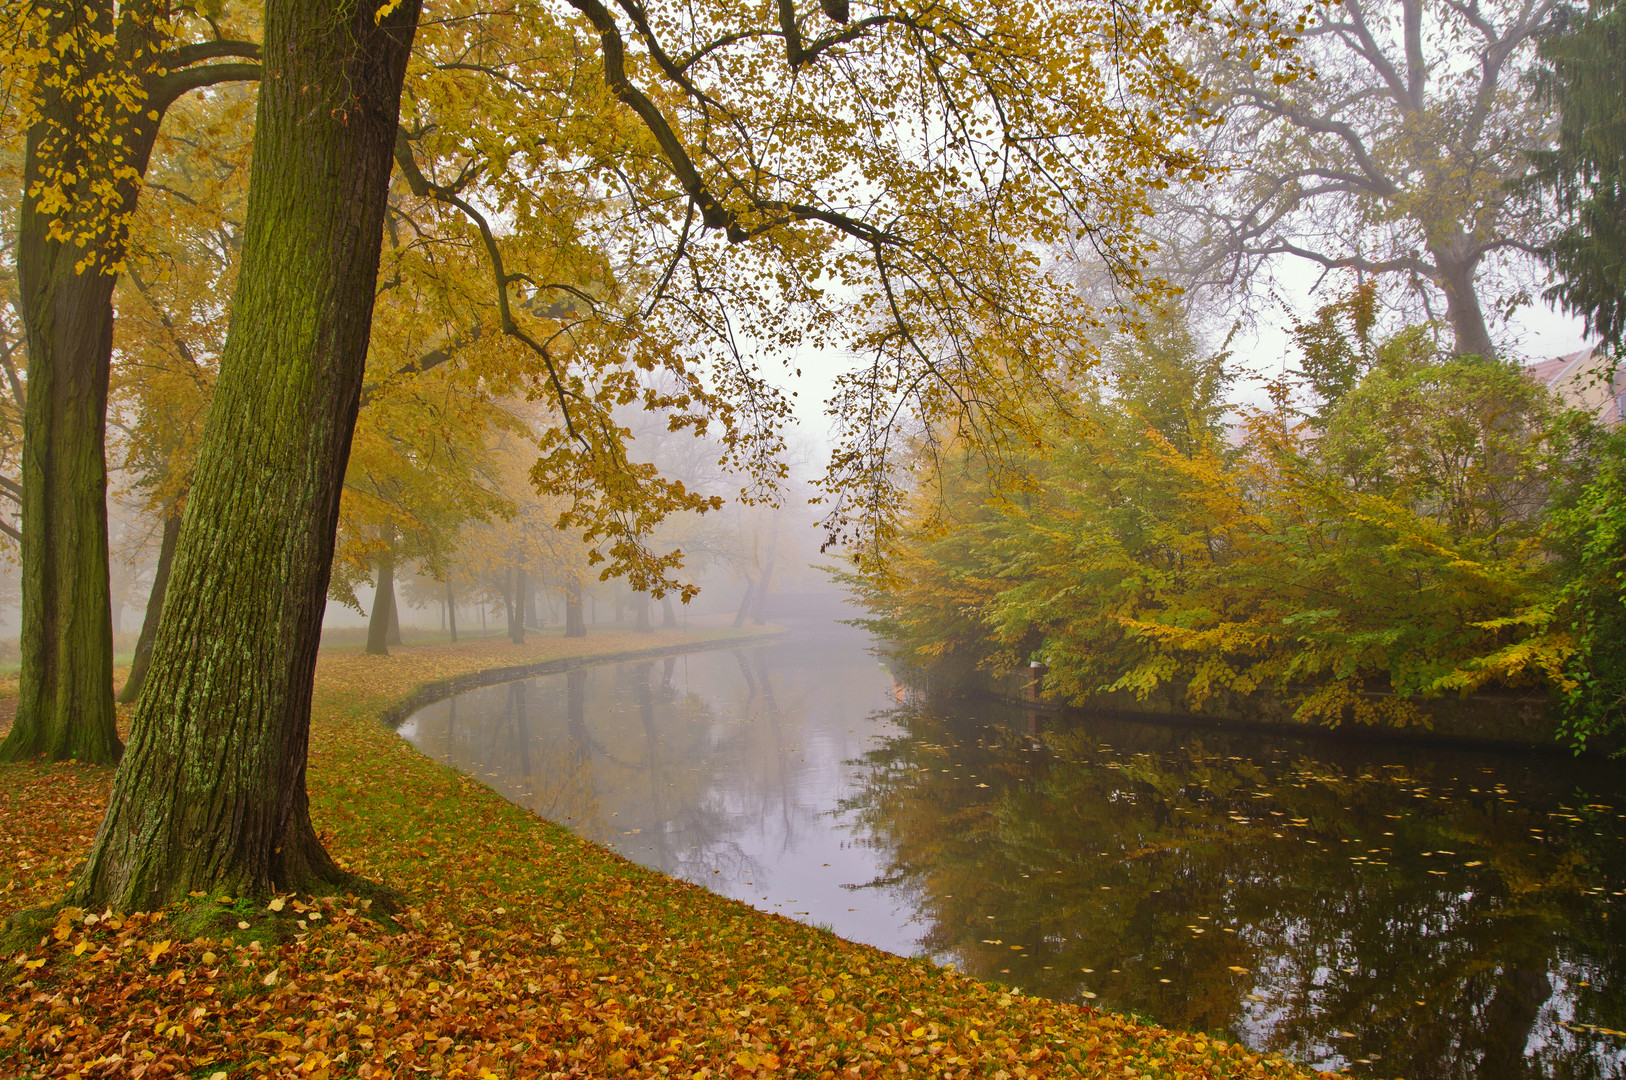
(1466,442)
(1392,549)
(1589,533)
(1333,363)
(1587,171)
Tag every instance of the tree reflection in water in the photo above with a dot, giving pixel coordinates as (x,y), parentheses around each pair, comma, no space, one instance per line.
(1415,912)
(1454,912)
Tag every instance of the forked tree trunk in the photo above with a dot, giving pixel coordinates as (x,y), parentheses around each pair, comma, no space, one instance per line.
(575,625)
(669,617)
(211,793)
(155,606)
(65,687)
(640,618)
(379,619)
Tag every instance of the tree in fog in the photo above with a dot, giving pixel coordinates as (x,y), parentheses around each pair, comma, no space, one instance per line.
(1400,158)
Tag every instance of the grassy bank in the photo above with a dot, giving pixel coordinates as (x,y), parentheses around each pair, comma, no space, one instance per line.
(524,952)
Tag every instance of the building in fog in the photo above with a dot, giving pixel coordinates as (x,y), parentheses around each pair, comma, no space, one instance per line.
(1576,381)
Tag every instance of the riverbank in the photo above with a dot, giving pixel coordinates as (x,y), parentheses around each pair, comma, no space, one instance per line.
(524,951)
(1498,721)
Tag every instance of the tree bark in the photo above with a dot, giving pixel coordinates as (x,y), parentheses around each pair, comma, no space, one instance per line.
(1462,308)
(142,660)
(380,619)
(640,618)
(65,687)
(394,635)
(745,603)
(451,610)
(669,617)
(211,793)
(516,612)
(575,625)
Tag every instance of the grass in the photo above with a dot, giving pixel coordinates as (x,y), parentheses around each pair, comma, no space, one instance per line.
(524,950)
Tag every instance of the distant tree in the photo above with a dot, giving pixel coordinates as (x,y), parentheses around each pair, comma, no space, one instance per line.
(1399,158)
(1587,171)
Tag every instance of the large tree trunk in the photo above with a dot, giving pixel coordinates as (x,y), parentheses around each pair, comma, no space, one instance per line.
(211,792)
(640,605)
(575,625)
(381,618)
(1470,333)
(155,606)
(65,691)
(669,618)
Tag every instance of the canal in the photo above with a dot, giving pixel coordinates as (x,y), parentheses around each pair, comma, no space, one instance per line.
(1395,909)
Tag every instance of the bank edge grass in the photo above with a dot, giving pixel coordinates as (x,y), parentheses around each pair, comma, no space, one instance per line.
(523,951)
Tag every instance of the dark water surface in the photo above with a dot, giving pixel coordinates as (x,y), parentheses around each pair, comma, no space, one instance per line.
(1402,911)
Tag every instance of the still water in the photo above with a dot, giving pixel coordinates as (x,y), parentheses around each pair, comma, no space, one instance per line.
(1397,910)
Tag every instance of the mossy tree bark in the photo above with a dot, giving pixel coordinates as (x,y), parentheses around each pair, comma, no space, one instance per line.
(65,691)
(211,793)
(142,660)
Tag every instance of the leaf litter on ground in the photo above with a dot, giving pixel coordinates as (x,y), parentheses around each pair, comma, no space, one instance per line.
(524,951)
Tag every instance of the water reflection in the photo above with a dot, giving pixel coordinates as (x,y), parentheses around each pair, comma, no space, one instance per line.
(1406,912)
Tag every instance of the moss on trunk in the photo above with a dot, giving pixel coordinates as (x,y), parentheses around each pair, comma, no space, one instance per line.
(211,793)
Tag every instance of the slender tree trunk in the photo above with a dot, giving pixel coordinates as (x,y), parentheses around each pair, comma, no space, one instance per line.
(378,622)
(669,617)
(531,619)
(516,613)
(451,610)
(745,603)
(575,625)
(395,614)
(763,583)
(155,606)
(761,614)
(211,794)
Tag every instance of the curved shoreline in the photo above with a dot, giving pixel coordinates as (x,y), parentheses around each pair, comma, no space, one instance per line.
(525,950)
(429,693)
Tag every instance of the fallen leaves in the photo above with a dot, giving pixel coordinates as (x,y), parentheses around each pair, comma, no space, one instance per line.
(528,952)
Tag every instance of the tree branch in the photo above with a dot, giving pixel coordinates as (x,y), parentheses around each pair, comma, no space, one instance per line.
(169,89)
